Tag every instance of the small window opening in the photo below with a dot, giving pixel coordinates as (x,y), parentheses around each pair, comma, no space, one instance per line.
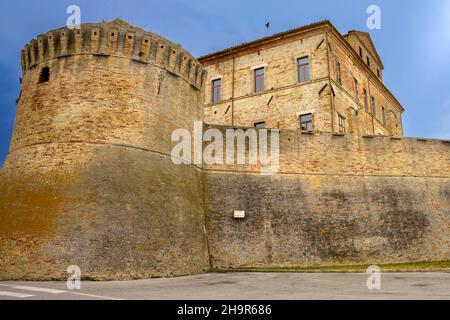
(260,125)
(45,75)
(306,122)
(341,123)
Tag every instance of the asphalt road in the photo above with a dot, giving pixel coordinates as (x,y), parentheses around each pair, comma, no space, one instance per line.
(242,286)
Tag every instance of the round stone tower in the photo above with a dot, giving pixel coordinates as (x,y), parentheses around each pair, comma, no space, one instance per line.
(88,180)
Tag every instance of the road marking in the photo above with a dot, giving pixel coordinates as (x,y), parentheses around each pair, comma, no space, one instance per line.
(93,296)
(15,294)
(52,291)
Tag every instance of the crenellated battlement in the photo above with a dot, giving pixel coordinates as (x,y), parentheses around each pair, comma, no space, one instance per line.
(114,39)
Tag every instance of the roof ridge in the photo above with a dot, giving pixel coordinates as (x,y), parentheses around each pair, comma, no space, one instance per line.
(278,34)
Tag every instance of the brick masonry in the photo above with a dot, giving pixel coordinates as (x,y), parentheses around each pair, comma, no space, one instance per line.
(89,181)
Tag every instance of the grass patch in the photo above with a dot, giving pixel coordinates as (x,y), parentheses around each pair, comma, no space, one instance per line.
(404,267)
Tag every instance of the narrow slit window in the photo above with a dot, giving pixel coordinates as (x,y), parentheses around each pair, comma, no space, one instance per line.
(45,75)
(355,86)
(366,100)
(373,105)
(338,72)
(303,69)
(341,123)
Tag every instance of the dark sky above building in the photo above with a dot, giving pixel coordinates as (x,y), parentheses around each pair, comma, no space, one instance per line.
(414,41)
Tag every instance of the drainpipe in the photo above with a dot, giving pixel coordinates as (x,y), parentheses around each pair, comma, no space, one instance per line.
(329,83)
(232,92)
(371,106)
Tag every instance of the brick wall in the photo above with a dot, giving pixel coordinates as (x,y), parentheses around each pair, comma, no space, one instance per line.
(336,200)
(89,180)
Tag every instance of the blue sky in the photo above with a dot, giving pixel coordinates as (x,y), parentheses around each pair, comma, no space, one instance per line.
(414,41)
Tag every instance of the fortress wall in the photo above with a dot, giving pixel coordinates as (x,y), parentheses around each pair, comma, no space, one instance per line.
(336,200)
(88,180)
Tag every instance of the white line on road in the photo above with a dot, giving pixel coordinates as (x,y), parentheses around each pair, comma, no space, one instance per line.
(52,291)
(15,294)
(93,296)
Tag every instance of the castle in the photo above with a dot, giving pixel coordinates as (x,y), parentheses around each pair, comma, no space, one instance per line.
(89,180)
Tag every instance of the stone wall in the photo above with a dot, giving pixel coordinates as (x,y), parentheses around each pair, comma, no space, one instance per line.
(89,180)
(335,200)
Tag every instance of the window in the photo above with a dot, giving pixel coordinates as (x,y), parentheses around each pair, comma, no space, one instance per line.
(355,86)
(260,125)
(366,100)
(45,75)
(383,111)
(259,80)
(378,73)
(368,61)
(338,72)
(341,123)
(303,69)
(216,90)
(373,106)
(306,122)
(360,52)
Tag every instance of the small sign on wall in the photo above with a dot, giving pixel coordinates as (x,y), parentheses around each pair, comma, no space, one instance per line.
(239,214)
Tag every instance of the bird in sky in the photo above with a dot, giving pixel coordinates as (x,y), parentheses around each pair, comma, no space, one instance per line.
(267,25)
